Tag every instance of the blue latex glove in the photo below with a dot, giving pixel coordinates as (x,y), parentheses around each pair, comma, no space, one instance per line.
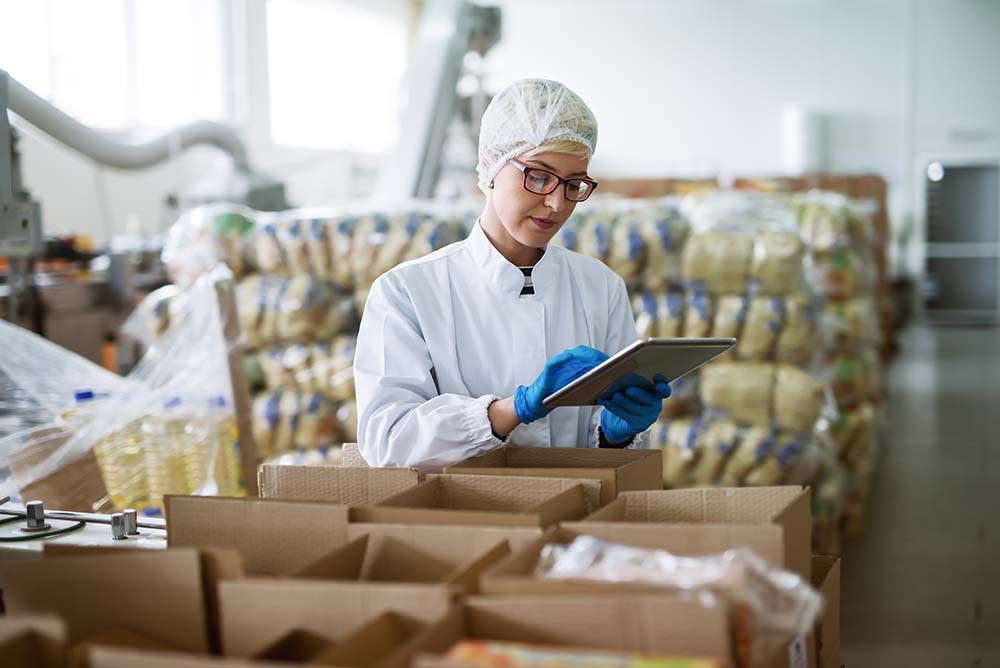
(632,410)
(559,371)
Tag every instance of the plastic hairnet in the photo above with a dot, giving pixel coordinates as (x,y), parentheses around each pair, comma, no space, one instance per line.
(527,114)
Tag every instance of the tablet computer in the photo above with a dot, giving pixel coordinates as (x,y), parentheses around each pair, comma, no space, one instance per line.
(637,365)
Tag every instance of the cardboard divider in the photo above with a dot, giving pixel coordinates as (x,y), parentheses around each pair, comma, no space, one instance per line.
(334,484)
(479,500)
(153,594)
(418,570)
(274,536)
(617,470)
(629,623)
(774,522)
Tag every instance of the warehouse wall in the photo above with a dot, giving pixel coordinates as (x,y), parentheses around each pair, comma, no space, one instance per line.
(677,91)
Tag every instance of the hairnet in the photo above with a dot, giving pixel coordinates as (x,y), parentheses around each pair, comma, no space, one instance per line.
(525,115)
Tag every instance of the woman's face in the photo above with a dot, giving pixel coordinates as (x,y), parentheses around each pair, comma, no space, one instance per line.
(532,220)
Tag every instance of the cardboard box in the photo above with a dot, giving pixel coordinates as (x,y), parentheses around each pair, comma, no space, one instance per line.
(274,537)
(157,595)
(645,624)
(32,641)
(478,500)
(826,579)
(334,484)
(377,644)
(350,455)
(617,470)
(415,570)
(774,522)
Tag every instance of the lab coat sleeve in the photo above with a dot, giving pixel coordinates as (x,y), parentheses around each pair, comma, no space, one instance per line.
(621,333)
(402,419)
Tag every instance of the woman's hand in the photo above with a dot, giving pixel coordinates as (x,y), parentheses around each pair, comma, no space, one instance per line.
(633,410)
(559,371)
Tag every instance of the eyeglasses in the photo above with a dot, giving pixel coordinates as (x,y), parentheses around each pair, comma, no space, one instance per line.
(541,182)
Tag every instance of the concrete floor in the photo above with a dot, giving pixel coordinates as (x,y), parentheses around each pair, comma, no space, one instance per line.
(922,586)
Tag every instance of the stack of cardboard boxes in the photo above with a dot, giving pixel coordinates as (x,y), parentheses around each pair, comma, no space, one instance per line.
(350,566)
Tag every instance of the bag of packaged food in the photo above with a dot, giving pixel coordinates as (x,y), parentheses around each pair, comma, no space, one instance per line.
(341,238)
(797,341)
(292,238)
(679,451)
(764,320)
(627,249)
(645,307)
(777,267)
(718,261)
(730,312)
(347,417)
(798,399)
(318,246)
(671,315)
(594,235)
(268,251)
(399,231)
(664,232)
(341,368)
(717,443)
(699,315)
(740,391)
(755,444)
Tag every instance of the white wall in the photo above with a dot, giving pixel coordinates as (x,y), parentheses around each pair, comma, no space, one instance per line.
(696,87)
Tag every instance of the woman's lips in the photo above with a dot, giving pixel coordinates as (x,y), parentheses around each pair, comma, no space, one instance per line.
(543,223)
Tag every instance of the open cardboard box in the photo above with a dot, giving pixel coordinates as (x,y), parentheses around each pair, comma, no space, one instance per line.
(334,484)
(418,570)
(376,644)
(163,598)
(774,522)
(274,536)
(635,623)
(826,579)
(480,500)
(617,470)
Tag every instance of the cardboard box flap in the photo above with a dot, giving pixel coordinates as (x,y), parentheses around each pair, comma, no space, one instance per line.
(32,641)
(375,643)
(335,484)
(826,578)
(258,611)
(350,456)
(632,623)
(273,536)
(481,500)
(101,656)
(528,457)
(342,563)
(296,646)
(731,505)
(444,540)
(154,594)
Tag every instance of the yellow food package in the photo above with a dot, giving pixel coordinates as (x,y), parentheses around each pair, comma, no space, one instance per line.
(798,399)
(627,249)
(718,261)
(671,315)
(777,267)
(741,391)
(764,319)
(797,341)
(679,451)
(755,444)
(699,315)
(717,443)
(730,312)
(318,246)
(341,238)
(292,238)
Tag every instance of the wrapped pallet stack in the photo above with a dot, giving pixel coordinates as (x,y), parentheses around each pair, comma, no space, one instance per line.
(304,275)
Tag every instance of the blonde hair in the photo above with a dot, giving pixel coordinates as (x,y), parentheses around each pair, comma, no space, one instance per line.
(573,148)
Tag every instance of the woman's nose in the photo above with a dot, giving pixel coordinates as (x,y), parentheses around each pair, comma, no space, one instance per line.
(556,200)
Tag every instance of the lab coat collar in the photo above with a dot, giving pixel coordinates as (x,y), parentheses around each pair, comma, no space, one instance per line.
(501,272)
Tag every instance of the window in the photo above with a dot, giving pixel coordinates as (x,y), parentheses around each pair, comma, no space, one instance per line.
(119,64)
(335,71)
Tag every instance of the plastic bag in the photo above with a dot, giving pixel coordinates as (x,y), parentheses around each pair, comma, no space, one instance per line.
(782,605)
(152,317)
(90,412)
(205,236)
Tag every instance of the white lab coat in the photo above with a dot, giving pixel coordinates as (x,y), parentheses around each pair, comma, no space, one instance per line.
(445,335)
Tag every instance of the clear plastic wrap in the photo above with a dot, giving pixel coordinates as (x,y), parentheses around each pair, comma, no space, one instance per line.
(781,605)
(152,317)
(207,235)
(168,427)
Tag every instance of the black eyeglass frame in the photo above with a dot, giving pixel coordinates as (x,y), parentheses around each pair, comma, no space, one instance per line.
(560,181)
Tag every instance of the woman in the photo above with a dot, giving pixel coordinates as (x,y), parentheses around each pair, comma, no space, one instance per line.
(458,349)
